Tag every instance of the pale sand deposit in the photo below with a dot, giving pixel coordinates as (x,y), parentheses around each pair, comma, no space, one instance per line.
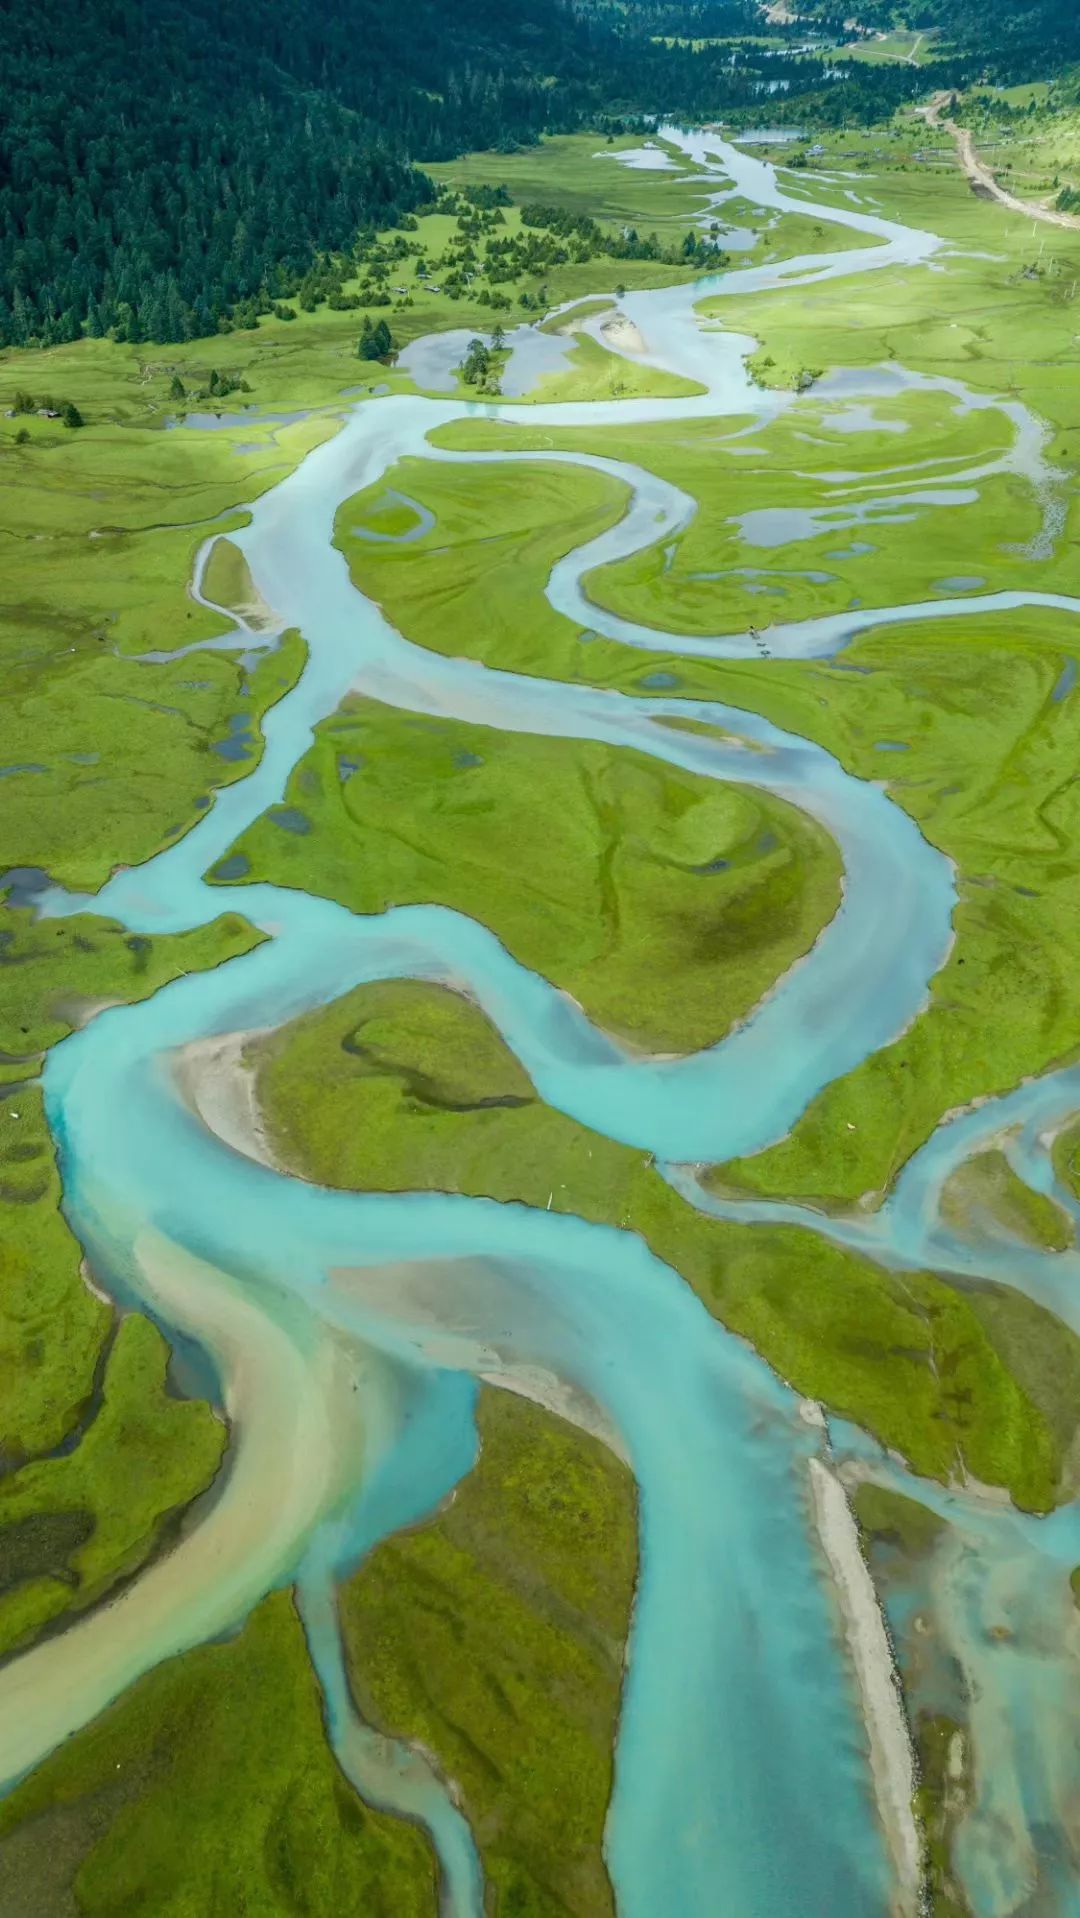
(622,335)
(892,1762)
(219,1088)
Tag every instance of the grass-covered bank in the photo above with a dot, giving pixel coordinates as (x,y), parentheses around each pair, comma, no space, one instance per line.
(986,1189)
(99,527)
(998,314)
(112,759)
(95,1453)
(209,1788)
(968,719)
(406,1087)
(495,1635)
(73,1524)
(840,501)
(666,903)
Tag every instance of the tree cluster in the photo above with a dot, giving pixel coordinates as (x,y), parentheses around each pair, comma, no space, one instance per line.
(376,341)
(482,363)
(176,170)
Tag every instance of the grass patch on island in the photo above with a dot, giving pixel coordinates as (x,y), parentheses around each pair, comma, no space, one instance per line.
(71,1526)
(495,1632)
(665,902)
(986,1187)
(209,1788)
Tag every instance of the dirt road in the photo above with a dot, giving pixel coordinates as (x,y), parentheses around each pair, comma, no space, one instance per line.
(980,175)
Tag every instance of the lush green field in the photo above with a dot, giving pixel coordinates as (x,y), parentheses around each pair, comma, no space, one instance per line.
(1001,316)
(405,1087)
(987,1188)
(664,902)
(112,1453)
(495,1635)
(209,1789)
(978,707)
(770,541)
(71,1525)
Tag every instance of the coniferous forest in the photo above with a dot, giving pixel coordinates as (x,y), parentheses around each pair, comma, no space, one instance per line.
(160,164)
(166,167)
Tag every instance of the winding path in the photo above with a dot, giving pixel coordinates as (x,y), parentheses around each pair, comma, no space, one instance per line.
(980,174)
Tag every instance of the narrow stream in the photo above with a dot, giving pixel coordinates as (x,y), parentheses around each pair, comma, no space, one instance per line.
(742,1782)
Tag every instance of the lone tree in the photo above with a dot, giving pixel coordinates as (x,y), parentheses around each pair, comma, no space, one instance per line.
(70,414)
(177,389)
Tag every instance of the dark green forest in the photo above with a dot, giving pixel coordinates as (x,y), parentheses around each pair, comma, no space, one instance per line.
(160,163)
(1004,41)
(167,167)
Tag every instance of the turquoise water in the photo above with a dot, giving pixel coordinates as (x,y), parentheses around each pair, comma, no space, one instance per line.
(347,1331)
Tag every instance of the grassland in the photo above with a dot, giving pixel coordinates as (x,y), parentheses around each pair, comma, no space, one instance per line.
(770,541)
(912,47)
(405,1087)
(1000,316)
(53,1328)
(113,759)
(970,721)
(227,580)
(1065,1153)
(72,1525)
(97,1454)
(594,373)
(666,903)
(495,1635)
(99,527)
(896,1520)
(207,1790)
(986,1187)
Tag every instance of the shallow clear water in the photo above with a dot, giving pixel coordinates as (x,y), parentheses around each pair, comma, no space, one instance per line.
(742,1784)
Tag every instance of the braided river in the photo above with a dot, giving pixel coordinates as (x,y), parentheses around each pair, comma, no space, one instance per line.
(345,1333)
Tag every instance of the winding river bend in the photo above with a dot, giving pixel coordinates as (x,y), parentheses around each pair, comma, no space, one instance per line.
(346,1332)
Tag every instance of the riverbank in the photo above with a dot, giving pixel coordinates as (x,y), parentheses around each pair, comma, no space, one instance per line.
(892,1761)
(453,1286)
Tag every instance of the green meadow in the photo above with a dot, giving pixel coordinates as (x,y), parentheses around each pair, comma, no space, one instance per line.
(73,1524)
(148,1812)
(968,720)
(999,315)
(495,1635)
(96,1453)
(985,1189)
(771,540)
(664,902)
(404,1086)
